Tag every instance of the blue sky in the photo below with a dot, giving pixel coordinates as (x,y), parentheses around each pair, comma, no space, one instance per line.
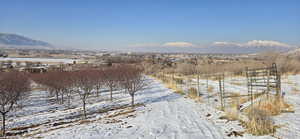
(118,24)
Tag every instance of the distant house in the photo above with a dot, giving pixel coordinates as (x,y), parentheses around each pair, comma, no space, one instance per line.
(34,69)
(3,54)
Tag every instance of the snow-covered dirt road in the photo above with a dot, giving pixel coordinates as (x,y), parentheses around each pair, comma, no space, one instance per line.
(174,117)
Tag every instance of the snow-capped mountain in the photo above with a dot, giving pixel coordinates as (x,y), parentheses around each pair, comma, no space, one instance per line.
(253,46)
(17,41)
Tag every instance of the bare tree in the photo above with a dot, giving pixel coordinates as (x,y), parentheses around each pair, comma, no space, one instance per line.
(67,85)
(84,86)
(133,80)
(98,79)
(12,86)
(57,82)
(112,76)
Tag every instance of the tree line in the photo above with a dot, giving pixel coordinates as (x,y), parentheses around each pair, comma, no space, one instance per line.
(86,83)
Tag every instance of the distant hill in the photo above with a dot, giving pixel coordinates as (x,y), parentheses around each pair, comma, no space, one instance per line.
(17,41)
(253,46)
(249,47)
(295,52)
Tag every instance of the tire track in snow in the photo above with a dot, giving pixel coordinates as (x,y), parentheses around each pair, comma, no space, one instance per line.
(172,118)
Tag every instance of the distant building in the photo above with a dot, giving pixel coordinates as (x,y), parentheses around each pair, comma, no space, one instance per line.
(3,54)
(34,69)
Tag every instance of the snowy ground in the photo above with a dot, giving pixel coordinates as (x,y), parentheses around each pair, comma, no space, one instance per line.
(289,122)
(52,60)
(162,114)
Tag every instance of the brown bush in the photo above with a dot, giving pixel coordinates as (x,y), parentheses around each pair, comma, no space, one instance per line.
(259,123)
(192,92)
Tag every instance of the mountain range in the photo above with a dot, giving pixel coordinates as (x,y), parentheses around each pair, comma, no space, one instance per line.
(8,40)
(252,46)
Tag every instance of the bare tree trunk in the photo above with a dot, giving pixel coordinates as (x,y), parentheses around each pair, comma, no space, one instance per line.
(198,85)
(69,100)
(84,111)
(56,93)
(132,101)
(111,90)
(62,98)
(98,88)
(3,124)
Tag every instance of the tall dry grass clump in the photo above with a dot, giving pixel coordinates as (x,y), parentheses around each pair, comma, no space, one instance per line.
(174,87)
(210,89)
(232,112)
(274,105)
(193,92)
(259,115)
(259,123)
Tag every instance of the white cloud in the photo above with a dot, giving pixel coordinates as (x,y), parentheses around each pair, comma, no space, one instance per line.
(178,44)
(266,43)
(253,43)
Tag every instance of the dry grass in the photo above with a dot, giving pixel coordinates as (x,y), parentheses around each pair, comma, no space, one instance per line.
(85,122)
(180,91)
(259,123)
(25,127)
(210,89)
(174,87)
(259,116)
(295,90)
(290,82)
(126,112)
(231,114)
(178,80)
(193,94)
(273,105)
(236,83)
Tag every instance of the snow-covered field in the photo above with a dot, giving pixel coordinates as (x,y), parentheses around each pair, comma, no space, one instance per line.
(162,114)
(51,60)
(289,122)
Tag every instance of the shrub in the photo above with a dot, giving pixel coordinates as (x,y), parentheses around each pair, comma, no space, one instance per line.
(231,114)
(193,92)
(178,80)
(210,89)
(273,105)
(259,123)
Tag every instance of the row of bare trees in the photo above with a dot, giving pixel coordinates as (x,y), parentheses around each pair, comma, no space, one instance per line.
(86,82)
(14,86)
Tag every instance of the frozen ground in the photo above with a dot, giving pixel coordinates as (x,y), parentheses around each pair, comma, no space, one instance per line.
(162,114)
(52,60)
(166,115)
(289,122)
